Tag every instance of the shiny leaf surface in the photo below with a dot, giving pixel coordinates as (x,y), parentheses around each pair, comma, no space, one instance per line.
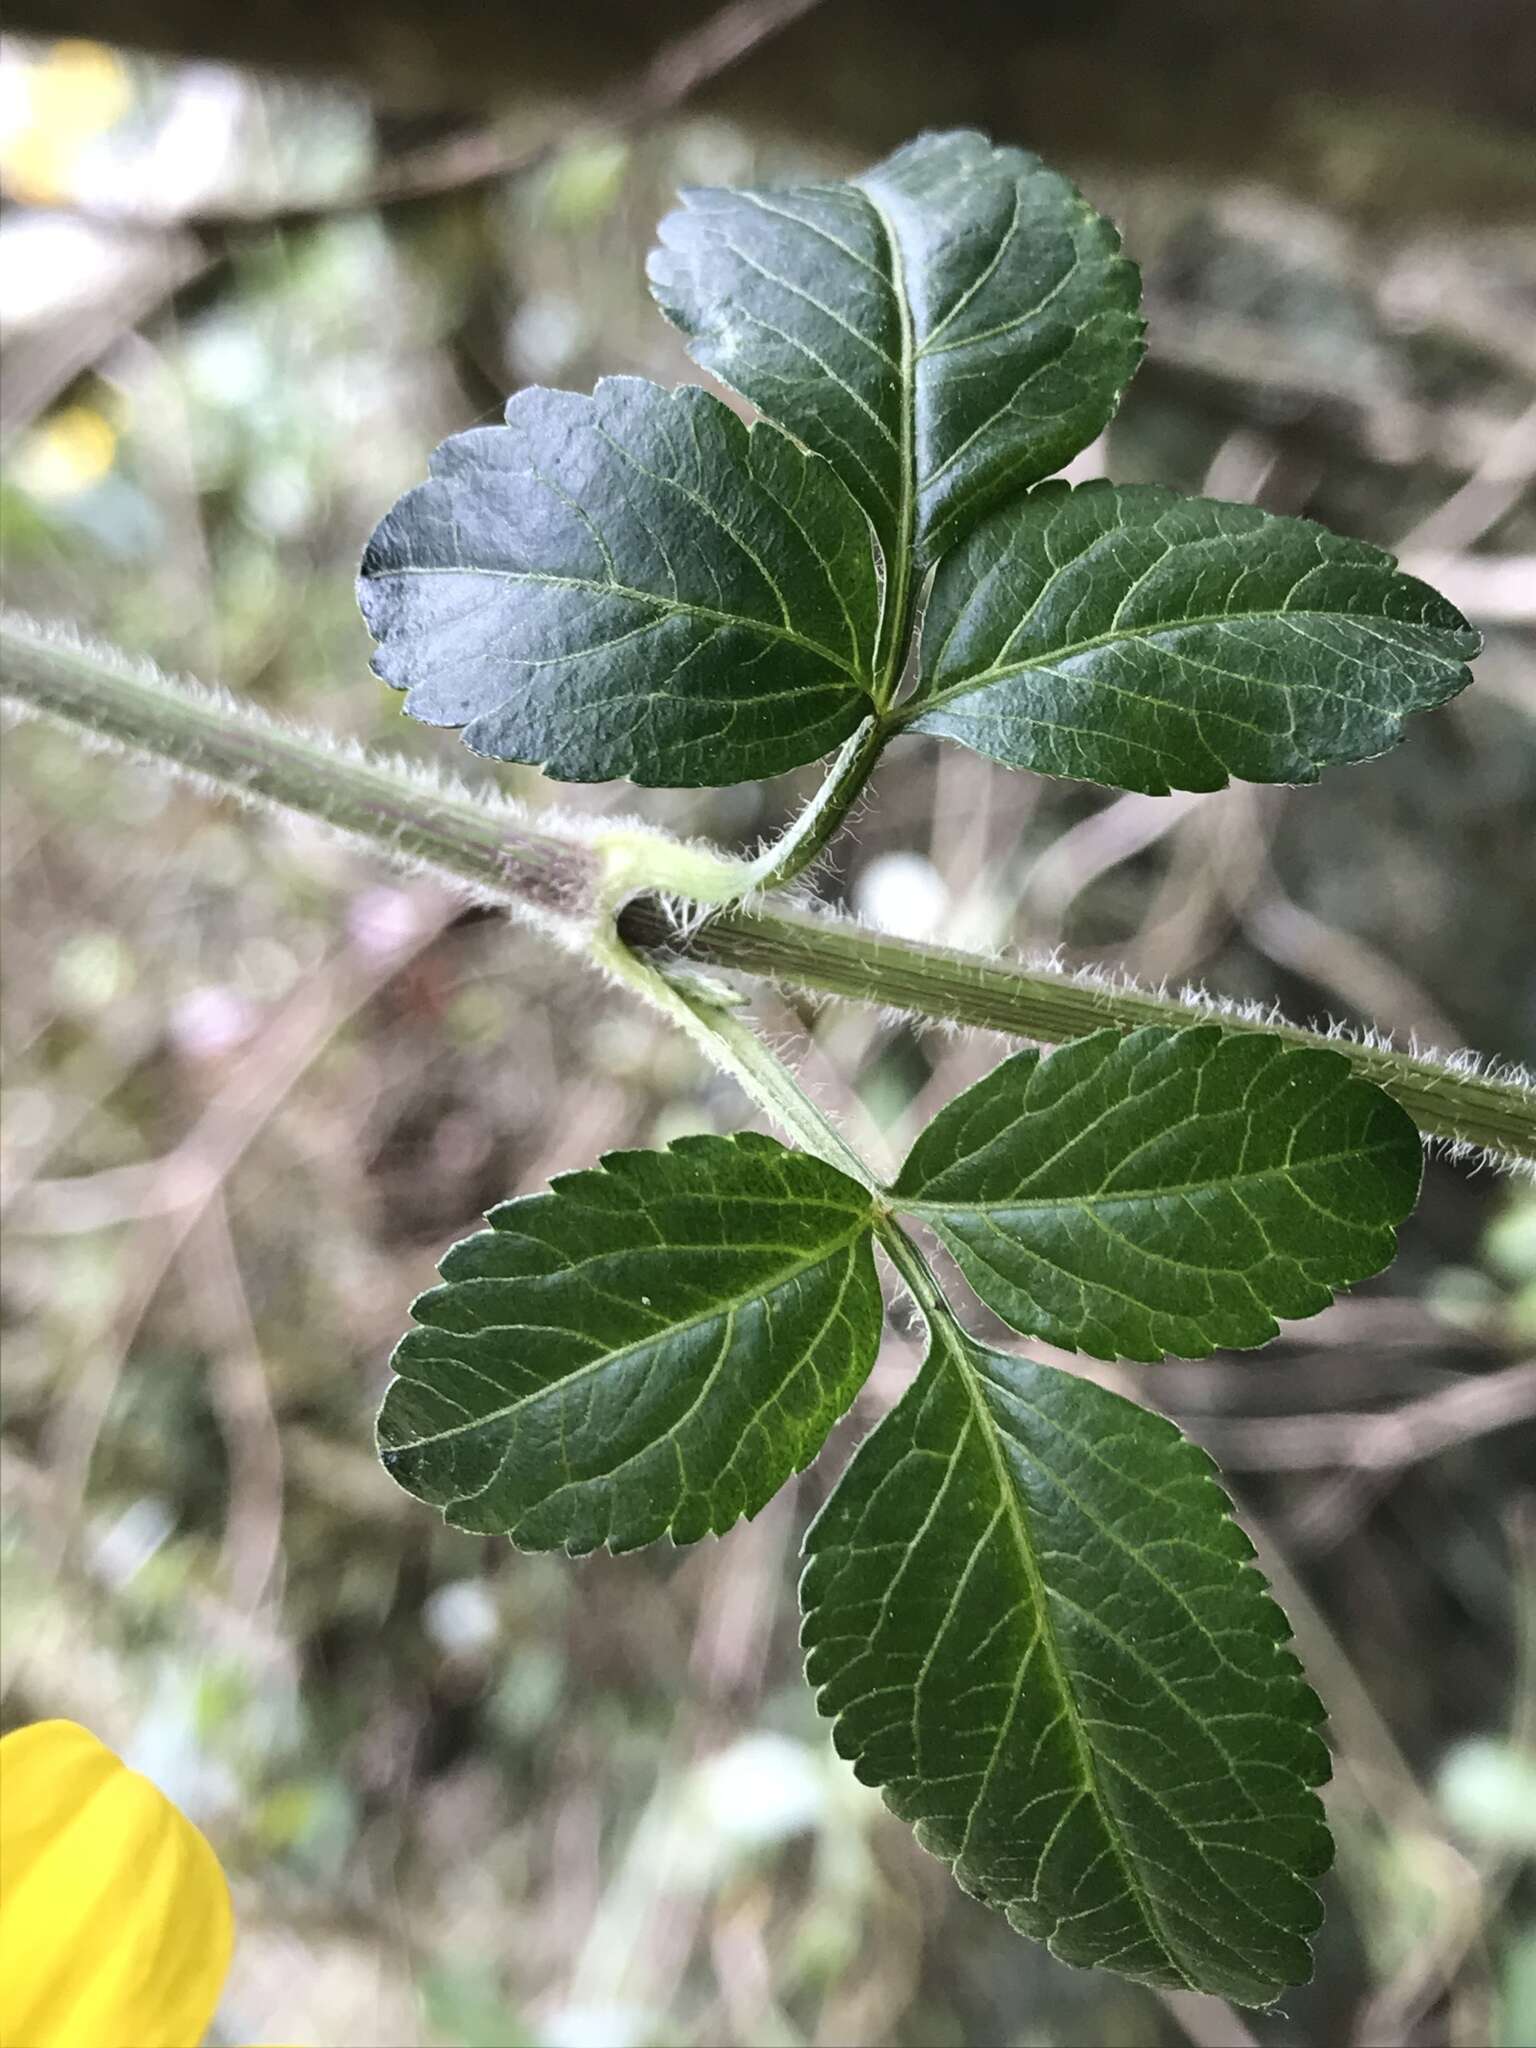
(946,329)
(650,1349)
(1169,1191)
(1126,635)
(631,584)
(1033,1623)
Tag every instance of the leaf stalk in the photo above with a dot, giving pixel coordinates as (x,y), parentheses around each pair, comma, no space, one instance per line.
(807,838)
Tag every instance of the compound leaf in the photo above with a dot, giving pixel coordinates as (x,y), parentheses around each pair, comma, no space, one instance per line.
(628,584)
(946,329)
(1031,1618)
(1127,635)
(1168,1191)
(649,1349)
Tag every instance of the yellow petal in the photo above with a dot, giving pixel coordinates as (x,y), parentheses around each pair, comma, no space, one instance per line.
(72,94)
(72,451)
(115,1921)
(80,87)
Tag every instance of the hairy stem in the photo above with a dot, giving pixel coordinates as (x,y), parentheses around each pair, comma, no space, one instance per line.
(710,1018)
(1447,1098)
(731,1044)
(555,875)
(244,753)
(822,817)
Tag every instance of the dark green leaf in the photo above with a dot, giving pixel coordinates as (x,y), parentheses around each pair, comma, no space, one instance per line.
(1170,1191)
(1031,1618)
(628,584)
(1123,634)
(946,329)
(651,1348)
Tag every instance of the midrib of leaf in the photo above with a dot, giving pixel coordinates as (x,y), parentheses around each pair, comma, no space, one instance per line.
(727,1306)
(949,1333)
(666,605)
(944,1329)
(1094,1198)
(1052,657)
(891,641)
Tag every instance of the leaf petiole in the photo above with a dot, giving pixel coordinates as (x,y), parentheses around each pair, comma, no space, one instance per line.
(807,838)
(735,1048)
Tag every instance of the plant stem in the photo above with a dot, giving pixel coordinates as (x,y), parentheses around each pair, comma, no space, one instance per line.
(246,754)
(557,877)
(774,1087)
(917,1276)
(791,854)
(712,1020)
(831,956)
(733,1046)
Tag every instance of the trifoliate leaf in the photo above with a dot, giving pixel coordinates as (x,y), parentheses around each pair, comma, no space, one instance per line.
(1126,635)
(649,1349)
(946,329)
(1169,1191)
(628,584)
(1031,1619)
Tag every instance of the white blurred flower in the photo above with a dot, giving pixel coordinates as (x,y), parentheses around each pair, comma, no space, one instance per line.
(383,921)
(1487,1788)
(761,1790)
(461,1618)
(903,894)
(595,2026)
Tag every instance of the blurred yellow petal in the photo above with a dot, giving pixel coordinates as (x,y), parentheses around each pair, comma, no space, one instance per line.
(67,454)
(81,86)
(115,1921)
(72,94)
(36,166)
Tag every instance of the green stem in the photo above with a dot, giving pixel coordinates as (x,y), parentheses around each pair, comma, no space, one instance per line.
(804,842)
(831,956)
(562,880)
(918,1277)
(245,754)
(731,1044)
(711,1019)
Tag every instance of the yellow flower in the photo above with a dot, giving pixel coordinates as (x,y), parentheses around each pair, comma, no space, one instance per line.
(72,94)
(115,1922)
(66,455)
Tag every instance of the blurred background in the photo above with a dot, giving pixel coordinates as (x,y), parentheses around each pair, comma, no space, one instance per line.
(254,263)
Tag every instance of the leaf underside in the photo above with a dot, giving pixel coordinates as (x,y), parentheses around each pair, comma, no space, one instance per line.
(631,584)
(1170,1191)
(1126,635)
(946,329)
(1030,1616)
(652,1348)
